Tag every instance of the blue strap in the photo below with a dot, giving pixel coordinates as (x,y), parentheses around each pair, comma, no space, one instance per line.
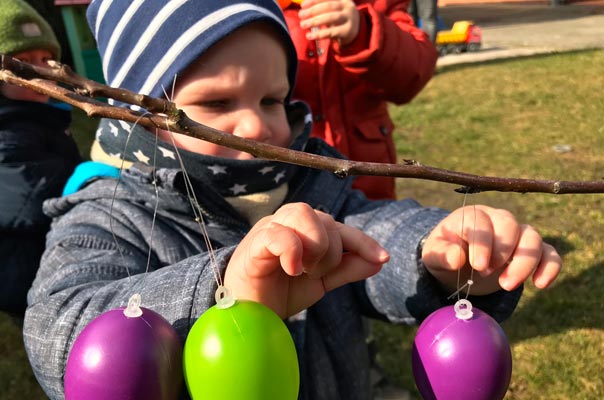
(87,171)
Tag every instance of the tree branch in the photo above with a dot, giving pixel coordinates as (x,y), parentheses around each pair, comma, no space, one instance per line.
(82,93)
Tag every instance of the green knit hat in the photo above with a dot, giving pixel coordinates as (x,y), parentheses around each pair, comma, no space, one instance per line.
(22,28)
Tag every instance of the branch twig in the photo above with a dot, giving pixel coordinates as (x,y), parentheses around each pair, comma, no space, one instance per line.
(81,93)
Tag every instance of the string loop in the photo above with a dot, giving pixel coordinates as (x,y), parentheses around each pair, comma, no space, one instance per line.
(134,310)
(463,309)
(223,297)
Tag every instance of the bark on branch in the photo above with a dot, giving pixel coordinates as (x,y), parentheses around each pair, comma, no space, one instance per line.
(61,83)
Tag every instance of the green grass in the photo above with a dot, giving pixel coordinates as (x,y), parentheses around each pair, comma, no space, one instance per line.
(16,379)
(502,119)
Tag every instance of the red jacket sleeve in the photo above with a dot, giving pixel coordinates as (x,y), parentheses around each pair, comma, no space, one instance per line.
(395,58)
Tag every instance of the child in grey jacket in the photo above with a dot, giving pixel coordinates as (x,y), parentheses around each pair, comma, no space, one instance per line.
(296,239)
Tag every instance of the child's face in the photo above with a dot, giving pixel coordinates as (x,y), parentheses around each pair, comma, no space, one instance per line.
(37,57)
(238,87)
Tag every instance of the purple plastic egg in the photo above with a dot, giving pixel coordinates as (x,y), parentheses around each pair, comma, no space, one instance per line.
(457,358)
(120,357)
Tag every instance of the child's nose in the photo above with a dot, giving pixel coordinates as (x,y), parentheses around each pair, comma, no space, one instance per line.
(251,125)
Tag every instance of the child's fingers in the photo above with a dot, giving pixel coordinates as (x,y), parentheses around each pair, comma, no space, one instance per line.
(482,236)
(324,14)
(504,252)
(307,290)
(493,243)
(343,238)
(439,253)
(319,234)
(271,242)
(310,8)
(466,234)
(355,241)
(549,267)
(317,264)
(478,233)
(525,259)
(352,269)
(309,227)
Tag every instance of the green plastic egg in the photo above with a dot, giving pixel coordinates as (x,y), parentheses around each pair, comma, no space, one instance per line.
(242,352)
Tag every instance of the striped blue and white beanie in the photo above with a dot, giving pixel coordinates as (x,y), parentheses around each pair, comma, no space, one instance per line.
(144,44)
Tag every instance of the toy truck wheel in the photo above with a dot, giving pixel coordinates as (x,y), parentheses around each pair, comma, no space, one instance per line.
(474,47)
(454,49)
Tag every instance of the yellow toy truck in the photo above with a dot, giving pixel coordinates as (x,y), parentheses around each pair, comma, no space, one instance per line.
(463,36)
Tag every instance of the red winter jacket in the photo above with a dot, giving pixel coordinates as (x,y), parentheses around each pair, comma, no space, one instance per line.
(347,88)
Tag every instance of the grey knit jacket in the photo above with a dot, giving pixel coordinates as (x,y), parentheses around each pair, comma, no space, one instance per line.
(83,274)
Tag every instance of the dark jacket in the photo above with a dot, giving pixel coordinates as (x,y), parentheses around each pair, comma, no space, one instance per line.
(37,155)
(98,251)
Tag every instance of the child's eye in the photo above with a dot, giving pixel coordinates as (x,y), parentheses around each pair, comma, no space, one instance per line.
(272,101)
(215,103)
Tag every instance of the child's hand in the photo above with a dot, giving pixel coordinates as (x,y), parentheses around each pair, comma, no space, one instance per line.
(290,259)
(503,252)
(335,19)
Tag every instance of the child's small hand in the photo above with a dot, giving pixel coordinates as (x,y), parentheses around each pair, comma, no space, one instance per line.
(504,253)
(290,259)
(335,19)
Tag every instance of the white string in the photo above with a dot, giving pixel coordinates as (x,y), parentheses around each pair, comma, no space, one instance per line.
(196,208)
(470,281)
(133,310)
(155,208)
(198,212)
(119,178)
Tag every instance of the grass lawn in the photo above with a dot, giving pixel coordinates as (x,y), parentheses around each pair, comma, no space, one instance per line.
(511,118)
(506,118)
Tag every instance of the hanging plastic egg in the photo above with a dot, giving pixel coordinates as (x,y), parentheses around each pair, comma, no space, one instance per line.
(126,353)
(460,353)
(240,350)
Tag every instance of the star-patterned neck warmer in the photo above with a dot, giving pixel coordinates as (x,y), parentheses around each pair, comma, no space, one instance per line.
(121,143)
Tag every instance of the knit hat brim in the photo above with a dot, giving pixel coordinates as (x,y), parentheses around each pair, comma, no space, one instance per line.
(22,28)
(145,45)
